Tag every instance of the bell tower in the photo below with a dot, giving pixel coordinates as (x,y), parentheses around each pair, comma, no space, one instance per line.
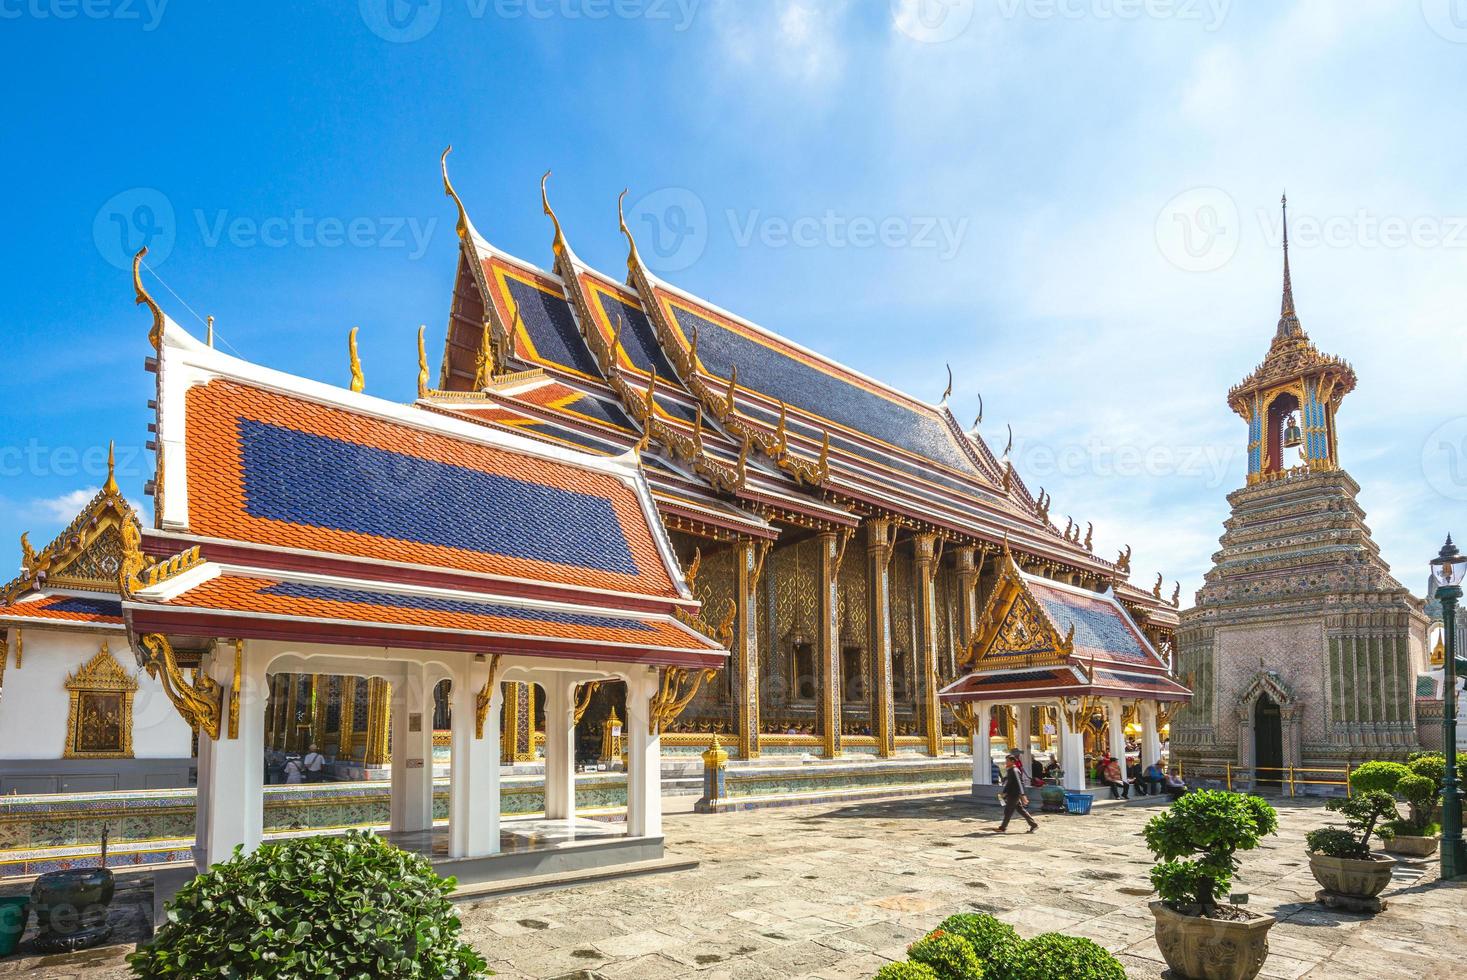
(1290,400)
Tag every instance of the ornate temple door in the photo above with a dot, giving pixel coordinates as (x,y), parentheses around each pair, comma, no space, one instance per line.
(1268,741)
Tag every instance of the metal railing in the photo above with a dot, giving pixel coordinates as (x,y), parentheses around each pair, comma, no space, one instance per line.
(1290,777)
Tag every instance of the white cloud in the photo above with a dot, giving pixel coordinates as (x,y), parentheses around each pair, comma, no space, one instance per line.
(62,509)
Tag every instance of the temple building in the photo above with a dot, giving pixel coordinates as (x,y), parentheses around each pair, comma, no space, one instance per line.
(1302,650)
(839,537)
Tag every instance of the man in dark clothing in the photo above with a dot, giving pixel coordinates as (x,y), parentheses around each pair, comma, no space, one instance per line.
(1014,799)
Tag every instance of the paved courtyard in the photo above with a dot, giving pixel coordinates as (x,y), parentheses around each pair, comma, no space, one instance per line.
(835,891)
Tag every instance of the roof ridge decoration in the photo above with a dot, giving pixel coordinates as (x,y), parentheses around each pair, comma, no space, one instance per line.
(64,562)
(722,405)
(495,341)
(640,406)
(142,298)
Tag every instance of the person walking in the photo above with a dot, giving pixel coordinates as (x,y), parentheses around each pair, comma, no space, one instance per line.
(1014,799)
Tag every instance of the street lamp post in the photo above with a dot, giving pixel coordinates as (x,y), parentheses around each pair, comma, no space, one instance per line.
(1449,569)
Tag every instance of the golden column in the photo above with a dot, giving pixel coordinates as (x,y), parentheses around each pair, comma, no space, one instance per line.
(967,595)
(928,558)
(831,686)
(379,710)
(320,686)
(298,683)
(346,737)
(748,559)
(880,542)
(519,724)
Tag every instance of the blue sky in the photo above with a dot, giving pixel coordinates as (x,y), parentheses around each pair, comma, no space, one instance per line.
(1074,202)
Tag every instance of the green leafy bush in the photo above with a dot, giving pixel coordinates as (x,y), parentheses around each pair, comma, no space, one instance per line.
(905,970)
(1365,814)
(1420,794)
(1377,776)
(1213,825)
(995,942)
(319,907)
(1432,765)
(949,955)
(1053,956)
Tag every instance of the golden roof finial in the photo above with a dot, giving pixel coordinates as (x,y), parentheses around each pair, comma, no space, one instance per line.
(948,391)
(358,383)
(1289,326)
(422,363)
(634,258)
(559,244)
(155,335)
(110,487)
(464,227)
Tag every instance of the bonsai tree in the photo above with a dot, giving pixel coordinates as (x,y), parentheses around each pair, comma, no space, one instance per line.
(1363,814)
(1382,776)
(1420,794)
(1212,825)
(348,906)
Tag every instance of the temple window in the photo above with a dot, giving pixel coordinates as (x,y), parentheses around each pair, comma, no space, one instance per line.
(852,677)
(99,721)
(804,671)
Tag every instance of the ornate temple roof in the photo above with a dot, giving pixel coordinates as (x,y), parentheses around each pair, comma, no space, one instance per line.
(1038,637)
(298,510)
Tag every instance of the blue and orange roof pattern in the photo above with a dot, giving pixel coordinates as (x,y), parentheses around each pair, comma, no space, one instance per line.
(268,468)
(257,596)
(78,610)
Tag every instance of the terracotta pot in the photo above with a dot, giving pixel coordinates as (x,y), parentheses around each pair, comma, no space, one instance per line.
(1211,949)
(1418,847)
(1350,876)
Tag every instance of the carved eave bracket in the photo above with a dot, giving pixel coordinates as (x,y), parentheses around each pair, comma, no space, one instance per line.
(721,402)
(485,697)
(198,702)
(675,691)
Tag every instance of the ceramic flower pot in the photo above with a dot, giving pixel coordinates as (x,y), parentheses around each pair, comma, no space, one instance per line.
(1352,877)
(71,909)
(1212,949)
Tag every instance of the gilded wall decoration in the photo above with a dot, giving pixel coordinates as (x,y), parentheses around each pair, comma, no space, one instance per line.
(99,720)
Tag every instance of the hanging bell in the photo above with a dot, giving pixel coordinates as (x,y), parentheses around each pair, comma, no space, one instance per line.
(1293,438)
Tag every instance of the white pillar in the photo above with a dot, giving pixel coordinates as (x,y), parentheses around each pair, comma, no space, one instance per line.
(1150,735)
(982,755)
(231,791)
(410,805)
(1117,732)
(1071,754)
(560,748)
(473,817)
(644,758)
(1025,735)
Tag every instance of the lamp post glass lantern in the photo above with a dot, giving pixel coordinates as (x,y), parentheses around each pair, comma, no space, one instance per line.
(1448,569)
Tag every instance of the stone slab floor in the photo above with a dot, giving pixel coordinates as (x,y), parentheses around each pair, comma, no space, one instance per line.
(834,891)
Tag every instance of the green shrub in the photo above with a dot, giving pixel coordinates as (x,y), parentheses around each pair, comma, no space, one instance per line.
(1213,825)
(1432,765)
(905,970)
(1420,794)
(995,942)
(1377,776)
(345,907)
(1364,814)
(950,956)
(1053,956)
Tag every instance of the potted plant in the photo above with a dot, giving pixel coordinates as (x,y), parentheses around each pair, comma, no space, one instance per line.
(1341,860)
(1415,836)
(1198,936)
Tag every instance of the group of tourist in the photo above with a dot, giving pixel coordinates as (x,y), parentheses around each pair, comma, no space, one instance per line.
(282,767)
(1147,782)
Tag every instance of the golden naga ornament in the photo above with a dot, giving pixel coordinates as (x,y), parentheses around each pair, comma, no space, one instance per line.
(198,703)
(358,383)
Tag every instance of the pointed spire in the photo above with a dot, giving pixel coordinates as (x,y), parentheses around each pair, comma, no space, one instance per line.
(1288,320)
(110,487)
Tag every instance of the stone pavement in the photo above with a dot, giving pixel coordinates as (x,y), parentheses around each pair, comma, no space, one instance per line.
(834,891)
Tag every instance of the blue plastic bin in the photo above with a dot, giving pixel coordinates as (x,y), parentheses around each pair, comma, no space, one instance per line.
(1078,803)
